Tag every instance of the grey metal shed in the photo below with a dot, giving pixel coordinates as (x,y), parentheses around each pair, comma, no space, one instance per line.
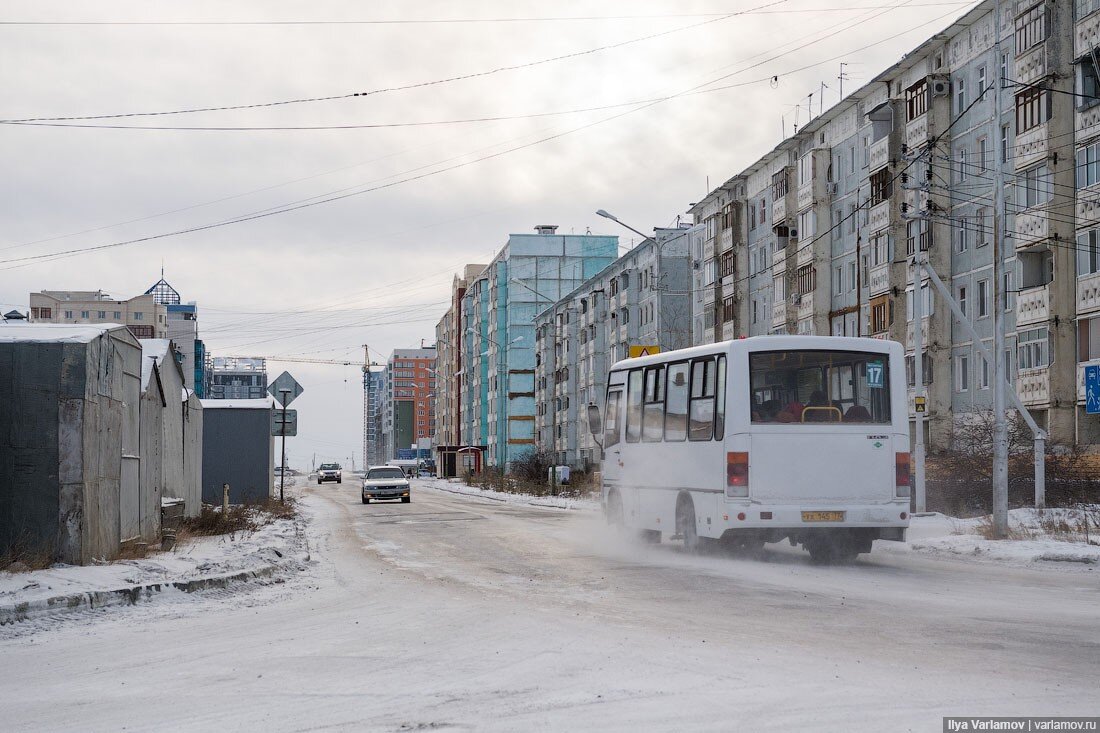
(237,449)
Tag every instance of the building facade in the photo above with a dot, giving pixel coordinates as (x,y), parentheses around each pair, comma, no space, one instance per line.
(818,236)
(183,330)
(497,387)
(644,299)
(409,394)
(143,315)
(237,378)
(373,450)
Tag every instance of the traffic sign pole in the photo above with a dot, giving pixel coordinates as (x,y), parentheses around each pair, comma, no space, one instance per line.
(282,466)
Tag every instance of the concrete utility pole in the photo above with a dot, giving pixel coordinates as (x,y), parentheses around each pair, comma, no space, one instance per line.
(919,398)
(1000,426)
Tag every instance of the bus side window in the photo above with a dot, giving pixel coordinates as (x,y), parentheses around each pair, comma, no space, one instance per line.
(701,408)
(611,432)
(676,405)
(634,406)
(653,409)
(720,407)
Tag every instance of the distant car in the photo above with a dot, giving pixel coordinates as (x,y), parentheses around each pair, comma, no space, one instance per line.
(386,482)
(329,472)
(426,468)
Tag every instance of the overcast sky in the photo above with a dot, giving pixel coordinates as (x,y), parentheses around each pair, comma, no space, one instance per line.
(375,267)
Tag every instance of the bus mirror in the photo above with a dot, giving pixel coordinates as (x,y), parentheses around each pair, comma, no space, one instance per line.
(595,424)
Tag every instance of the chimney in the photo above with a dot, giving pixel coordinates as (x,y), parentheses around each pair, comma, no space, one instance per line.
(546,228)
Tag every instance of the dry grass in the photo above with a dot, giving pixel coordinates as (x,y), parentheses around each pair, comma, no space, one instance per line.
(25,555)
(246,518)
(1050,526)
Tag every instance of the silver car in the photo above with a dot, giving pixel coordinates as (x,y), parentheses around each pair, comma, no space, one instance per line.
(386,482)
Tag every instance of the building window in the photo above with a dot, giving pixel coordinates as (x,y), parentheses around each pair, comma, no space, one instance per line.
(1037,186)
(917,230)
(927,302)
(1088,83)
(960,95)
(882,186)
(910,370)
(962,299)
(1031,28)
(983,373)
(779,185)
(980,227)
(85,314)
(852,275)
(881,314)
(962,237)
(983,298)
(139,316)
(1088,166)
(916,100)
(1088,252)
(962,373)
(807,224)
(983,155)
(1032,109)
(981,80)
(1005,148)
(806,279)
(838,280)
(728,309)
(805,169)
(1088,339)
(1033,347)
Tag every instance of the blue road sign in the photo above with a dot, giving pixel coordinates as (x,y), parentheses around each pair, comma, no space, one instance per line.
(1092,389)
(875,374)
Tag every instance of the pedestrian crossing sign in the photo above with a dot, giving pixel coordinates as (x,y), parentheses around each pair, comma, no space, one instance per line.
(1092,389)
(639,350)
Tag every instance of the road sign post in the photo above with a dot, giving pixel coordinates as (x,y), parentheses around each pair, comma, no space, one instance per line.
(285,389)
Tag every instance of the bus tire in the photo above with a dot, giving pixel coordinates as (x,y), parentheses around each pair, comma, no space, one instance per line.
(614,510)
(686,524)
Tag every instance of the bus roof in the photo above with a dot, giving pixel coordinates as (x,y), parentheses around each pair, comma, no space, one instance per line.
(765,343)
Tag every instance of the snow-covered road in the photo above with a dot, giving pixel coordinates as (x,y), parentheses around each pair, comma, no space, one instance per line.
(454,612)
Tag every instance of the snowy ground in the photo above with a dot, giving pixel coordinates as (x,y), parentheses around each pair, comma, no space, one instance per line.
(560,502)
(461,613)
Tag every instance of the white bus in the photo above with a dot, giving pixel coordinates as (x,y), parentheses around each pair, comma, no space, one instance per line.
(760,439)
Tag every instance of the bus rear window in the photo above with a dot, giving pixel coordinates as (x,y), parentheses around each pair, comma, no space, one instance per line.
(820,386)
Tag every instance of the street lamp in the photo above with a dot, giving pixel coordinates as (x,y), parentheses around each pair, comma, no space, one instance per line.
(612,217)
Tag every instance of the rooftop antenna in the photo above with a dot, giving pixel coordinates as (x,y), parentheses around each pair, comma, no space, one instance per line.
(821,102)
(841,77)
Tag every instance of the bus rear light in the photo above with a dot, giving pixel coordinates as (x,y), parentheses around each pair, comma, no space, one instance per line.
(737,474)
(741,516)
(903,515)
(901,472)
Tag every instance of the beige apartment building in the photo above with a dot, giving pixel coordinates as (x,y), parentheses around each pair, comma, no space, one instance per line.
(145,318)
(818,235)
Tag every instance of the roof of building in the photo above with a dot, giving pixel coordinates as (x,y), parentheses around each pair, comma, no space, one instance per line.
(163,293)
(152,349)
(70,333)
(264,403)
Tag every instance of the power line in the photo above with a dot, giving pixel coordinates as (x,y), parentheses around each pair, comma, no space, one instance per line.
(404,87)
(438,21)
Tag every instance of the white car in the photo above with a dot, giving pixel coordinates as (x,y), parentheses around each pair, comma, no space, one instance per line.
(386,482)
(330,472)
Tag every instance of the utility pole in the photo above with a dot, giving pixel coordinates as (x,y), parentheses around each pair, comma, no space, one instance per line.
(1000,427)
(919,399)
(282,429)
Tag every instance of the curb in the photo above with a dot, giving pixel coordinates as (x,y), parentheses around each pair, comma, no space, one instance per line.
(18,612)
(525,503)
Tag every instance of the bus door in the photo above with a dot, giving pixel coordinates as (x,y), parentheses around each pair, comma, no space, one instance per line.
(612,465)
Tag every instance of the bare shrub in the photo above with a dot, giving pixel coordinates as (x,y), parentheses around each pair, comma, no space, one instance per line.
(245,518)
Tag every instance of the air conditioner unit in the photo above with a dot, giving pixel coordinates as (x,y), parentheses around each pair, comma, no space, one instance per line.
(831,188)
(941,88)
(793,233)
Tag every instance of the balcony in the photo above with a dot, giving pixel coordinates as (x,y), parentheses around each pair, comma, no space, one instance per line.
(1086,34)
(805,307)
(1088,205)
(729,331)
(880,154)
(1033,386)
(878,280)
(725,240)
(1032,146)
(916,132)
(782,312)
(1033,305)
(779,261)
(805,196)
(804,256)
(1081,378)
(1031,65)
(1088,293)
(779,211)
(879,216)
(708,248)
(1088,123)
(1032,226)
(909,333)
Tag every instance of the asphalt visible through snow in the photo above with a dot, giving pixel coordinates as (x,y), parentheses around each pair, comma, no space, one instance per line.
(457,613)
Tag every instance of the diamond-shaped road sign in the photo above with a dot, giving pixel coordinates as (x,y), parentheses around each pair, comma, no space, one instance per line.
(285,389)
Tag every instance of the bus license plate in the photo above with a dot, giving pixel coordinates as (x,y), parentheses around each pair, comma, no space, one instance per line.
(822,516)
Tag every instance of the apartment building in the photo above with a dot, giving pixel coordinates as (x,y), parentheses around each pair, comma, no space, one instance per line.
(817,236)
(237,378)
(143,315)
(183,330)
(409,401)
(498,310)
(643,298)
(372,400)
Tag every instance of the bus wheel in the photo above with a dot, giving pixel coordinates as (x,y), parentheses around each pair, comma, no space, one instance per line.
(685,524)
(614,511)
